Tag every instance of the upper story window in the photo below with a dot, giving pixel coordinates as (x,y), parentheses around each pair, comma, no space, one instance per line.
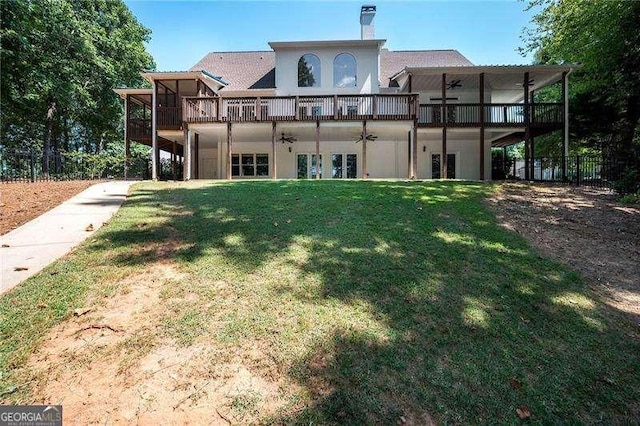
(309,71)
(344,71)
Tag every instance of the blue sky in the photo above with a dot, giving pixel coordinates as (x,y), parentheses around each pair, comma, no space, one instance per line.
(486,32)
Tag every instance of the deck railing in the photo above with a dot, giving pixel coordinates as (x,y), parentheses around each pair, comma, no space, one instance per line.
(139,128)
(169,118)
(495,115)
(354,107)
(299,108)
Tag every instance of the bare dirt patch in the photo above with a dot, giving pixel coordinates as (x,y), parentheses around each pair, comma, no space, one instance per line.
(586,229)
(21,201)
(112,362)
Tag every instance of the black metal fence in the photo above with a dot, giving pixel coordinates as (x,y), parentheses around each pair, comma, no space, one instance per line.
(32,166)
(168,170)
(581,170)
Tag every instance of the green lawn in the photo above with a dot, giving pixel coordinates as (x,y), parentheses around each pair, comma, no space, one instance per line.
(370,302)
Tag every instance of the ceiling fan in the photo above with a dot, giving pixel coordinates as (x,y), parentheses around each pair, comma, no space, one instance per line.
(369,137)
(453,84)
(289,139)
(529,83)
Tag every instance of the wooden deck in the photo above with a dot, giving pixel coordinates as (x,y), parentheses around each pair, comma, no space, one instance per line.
(495,115)
(300,108)
(348,108)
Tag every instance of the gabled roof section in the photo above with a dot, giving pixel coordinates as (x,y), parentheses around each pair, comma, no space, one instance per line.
(214,82)
(241,70)
(392,62)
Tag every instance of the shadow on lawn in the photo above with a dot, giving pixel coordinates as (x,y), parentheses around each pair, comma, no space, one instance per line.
(476,324)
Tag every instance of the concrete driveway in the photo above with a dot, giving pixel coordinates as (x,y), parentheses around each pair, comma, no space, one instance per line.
(28,249)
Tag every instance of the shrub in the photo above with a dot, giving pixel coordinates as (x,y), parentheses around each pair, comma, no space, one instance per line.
(628,183)
(630,198)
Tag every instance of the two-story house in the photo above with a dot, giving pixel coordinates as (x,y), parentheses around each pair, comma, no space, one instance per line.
(342,109)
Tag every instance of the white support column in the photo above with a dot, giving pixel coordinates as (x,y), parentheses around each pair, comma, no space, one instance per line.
(410,171)
(154,136)
(126,137)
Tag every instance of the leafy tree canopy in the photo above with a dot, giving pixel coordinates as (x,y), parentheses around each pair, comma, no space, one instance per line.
(60,60)
(603,37)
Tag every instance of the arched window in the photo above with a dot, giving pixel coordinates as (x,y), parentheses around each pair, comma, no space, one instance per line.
(309,71)
(345,71)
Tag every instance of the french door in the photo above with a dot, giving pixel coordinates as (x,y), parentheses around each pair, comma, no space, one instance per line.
(344,166)
(436,166)
(307,166)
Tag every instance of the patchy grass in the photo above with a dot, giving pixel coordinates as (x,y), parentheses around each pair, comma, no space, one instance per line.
(340,302)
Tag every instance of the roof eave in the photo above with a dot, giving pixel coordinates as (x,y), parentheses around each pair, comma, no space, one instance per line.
(494,69)
(203,75)
(124,91)
(325,43)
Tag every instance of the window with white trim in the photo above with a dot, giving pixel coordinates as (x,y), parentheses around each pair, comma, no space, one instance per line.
(249,165)
(345,70)
(309,71)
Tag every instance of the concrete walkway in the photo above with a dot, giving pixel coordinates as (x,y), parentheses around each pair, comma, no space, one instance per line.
(46,238)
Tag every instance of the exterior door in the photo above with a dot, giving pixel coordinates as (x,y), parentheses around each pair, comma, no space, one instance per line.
(436,166)
(344,166)
(307,167)
(208,167)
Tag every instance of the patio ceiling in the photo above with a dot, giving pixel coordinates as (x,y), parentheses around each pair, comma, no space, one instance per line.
(508,77)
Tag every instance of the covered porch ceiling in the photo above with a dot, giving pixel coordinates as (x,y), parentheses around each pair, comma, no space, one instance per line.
(138,96)
(508,78)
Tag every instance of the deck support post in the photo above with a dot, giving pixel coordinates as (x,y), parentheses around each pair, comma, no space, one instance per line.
(127,146)
(229,147)
(504,161)
(443,159)
(154,136)
(481,93)
(174,156)
(414,150)
(364,150)
(565,124)
(274,154)
(196,163)
(532,157)
(410,174)
(527,130)
(186,155)
(318,162)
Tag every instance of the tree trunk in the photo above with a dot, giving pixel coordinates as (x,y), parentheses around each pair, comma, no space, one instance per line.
(65,131)
(46,146)
(57,130)
(100,145)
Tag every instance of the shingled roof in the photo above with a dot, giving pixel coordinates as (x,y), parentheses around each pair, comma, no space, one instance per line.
(256,70)
(392,62)
(242,70)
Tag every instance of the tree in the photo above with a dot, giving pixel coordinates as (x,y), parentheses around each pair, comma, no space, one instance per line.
(603,36)
(60,61)
(305,74)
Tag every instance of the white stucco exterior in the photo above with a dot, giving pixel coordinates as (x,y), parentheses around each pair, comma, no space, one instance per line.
(366,54)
